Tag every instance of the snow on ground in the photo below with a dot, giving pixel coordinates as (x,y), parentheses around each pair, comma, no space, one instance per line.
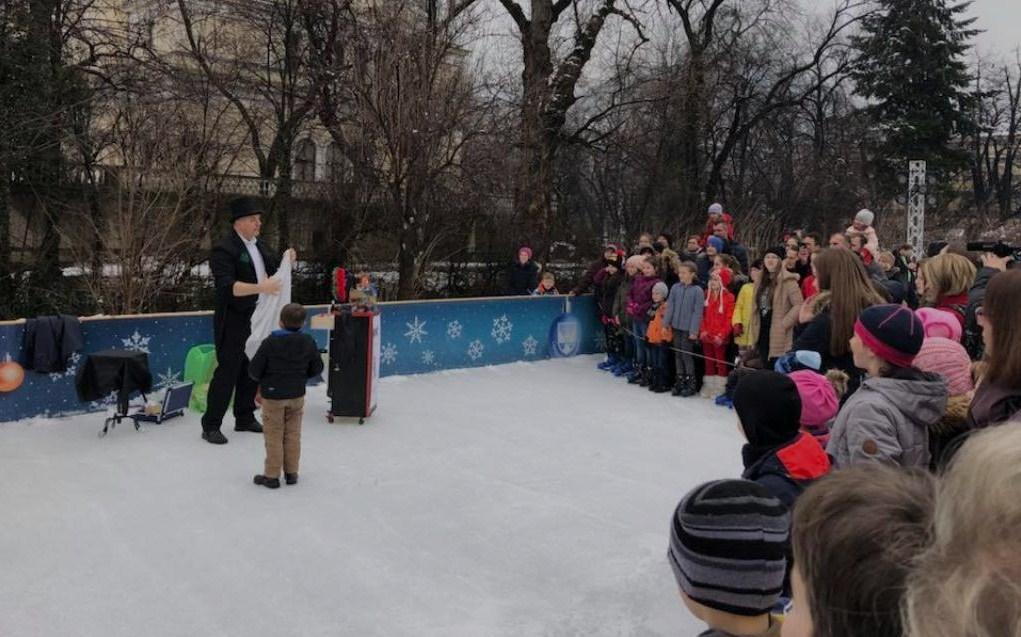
(525,499)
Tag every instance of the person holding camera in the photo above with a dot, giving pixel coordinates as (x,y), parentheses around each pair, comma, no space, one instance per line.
(995,258)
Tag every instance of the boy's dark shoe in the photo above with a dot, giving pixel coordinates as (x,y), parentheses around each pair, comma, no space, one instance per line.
(214,437)
(253,426)
(291,478)
(679,387)
(269,483)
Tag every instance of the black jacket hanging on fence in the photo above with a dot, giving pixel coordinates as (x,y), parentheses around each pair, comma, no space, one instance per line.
(49,341)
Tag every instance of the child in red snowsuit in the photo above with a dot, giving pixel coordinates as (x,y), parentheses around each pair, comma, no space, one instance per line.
(716,330)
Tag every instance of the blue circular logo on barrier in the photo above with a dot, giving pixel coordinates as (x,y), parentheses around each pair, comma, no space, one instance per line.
(565,336)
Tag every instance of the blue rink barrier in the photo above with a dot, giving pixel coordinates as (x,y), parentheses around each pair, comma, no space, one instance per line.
(417,337)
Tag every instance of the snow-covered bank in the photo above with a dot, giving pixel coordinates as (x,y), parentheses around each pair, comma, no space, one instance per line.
(525,499)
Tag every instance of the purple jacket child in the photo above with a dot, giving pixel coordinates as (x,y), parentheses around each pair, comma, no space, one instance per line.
(639,298)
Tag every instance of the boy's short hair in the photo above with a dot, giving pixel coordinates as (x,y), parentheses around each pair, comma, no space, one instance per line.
(857,532)
(728,546)
(292,316)
(548,276)
(689,266)
(905,246)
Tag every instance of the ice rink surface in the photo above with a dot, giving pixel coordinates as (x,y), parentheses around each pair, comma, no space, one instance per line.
(525,499)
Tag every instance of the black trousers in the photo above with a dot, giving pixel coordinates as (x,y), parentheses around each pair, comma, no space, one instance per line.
(231,377)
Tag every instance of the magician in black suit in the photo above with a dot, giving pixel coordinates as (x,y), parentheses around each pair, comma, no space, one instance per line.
(242,266)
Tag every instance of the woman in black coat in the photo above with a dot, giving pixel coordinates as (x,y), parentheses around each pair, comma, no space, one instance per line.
(523,276)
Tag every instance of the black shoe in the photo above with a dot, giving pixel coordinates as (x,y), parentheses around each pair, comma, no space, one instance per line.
(689,387)
(291,478)
(269,483)
(253,426)
(679,386)
(646,379)
(214,437)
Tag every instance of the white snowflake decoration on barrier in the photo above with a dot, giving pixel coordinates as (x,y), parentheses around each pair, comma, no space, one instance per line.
(475,349)
(454,329)
(502,329)
(530,345)
(72,367)
(137,342)
(169,379)
(416,330)
(388,354)
(105,402)
(428,358)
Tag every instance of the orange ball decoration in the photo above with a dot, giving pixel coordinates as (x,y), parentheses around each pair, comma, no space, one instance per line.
(12,375)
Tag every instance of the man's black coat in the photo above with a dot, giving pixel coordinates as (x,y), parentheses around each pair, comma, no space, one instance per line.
(230,262)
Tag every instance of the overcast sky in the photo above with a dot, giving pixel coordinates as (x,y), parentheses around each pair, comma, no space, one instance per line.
(1001,20)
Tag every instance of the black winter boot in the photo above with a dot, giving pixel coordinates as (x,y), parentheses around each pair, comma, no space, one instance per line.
(646,377)
(689,387)
(291,478)
(679,386)
(661,384)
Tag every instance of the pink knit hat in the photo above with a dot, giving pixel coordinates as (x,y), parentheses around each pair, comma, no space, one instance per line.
(635,260)
(940,323)
(949,359)
(819,402)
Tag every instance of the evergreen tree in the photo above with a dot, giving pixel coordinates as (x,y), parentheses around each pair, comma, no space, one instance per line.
(912,69)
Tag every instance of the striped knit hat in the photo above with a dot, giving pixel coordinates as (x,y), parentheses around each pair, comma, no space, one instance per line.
(728,543)
(894,333)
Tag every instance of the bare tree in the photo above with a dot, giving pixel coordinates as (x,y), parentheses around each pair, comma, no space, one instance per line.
(548,92)
(996,139)
(156,163)
(755,73)
(255,53)
(417,107)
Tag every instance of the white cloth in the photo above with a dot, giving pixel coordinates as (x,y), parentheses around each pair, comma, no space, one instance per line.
(267,309)
(253,251)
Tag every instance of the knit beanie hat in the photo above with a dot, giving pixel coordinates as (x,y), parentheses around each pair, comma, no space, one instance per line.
(893,332)
(728,542)
(865,216)
(797,361)
(768,407)
(950,360)
(819,402)
(716,242)
(661,288)
(726,276)
(779,251)
(716,209)
(635,260)
(940,323)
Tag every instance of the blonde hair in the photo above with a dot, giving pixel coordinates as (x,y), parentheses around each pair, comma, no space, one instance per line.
(887,257)
(968,582)
(947,275)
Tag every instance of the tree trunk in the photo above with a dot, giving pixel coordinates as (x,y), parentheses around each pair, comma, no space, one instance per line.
(533,192)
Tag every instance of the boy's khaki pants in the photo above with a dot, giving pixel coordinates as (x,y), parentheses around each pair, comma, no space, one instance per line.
(281,428)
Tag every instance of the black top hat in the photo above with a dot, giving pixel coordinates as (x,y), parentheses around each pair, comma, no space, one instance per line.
(244,207)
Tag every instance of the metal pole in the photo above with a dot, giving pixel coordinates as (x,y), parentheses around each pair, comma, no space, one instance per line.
(916,205)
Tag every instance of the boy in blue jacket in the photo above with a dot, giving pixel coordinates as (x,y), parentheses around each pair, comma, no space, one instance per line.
(684,309)
(282,366)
